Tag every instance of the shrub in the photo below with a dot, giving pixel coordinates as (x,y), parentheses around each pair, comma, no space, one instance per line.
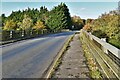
(99,34)
(114,42)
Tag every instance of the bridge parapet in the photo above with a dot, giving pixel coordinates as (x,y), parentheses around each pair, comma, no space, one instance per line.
(104,45)
(106,55)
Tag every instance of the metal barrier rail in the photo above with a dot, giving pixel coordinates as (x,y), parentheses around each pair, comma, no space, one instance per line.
(100,50)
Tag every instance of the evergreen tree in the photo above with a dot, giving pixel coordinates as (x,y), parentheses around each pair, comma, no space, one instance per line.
(59,18)
(2,18)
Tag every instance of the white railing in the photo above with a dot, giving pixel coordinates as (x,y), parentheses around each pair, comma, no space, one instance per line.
(106,46)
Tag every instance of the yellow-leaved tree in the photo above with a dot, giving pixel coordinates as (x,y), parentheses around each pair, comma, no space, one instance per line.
(26,25)
(10,25)
(39,26)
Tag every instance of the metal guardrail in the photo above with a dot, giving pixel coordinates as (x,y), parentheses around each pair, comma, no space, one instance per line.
(101,52)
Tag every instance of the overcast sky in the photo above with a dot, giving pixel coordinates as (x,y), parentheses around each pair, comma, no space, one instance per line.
(83,9)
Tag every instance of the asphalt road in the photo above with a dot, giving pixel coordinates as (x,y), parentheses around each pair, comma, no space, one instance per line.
(30,58)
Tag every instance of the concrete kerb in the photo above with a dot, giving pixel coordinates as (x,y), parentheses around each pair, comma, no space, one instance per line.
(59,55)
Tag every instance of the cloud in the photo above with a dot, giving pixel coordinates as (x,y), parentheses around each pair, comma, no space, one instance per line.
(81,9)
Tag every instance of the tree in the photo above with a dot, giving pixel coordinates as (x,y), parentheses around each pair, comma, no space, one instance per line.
(59,18)
(67,15)
(88,20)
(107,25)
(27,24)
(10,25)
(87,27)
(77,22)
(113,28)
(54,20)
(39,25)
(2,18)
(43,10)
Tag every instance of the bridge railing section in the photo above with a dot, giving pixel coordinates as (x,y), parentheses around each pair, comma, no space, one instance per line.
(13,36)
(106,55)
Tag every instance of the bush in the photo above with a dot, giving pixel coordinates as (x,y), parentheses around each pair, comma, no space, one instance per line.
(5,35)
(114,42)
(99,34)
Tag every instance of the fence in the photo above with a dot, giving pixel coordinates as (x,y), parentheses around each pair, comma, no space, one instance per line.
(106,55)
(12,35)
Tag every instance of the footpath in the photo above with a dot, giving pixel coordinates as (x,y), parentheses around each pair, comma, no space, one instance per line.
(73,63)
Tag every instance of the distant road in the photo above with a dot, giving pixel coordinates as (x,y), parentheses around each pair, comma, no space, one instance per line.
(30,58)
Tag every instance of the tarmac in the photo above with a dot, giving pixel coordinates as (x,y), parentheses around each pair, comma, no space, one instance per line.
(73,63)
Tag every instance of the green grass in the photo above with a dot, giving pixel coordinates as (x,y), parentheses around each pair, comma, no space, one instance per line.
(0,30)
(92,65)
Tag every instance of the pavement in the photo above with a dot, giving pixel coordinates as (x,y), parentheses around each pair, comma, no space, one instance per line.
(30,58)
(73,63)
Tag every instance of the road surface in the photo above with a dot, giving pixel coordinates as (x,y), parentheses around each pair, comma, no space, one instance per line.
(30,58)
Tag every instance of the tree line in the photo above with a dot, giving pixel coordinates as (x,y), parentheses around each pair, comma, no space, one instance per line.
(77,22)
(36,21)
(106,26)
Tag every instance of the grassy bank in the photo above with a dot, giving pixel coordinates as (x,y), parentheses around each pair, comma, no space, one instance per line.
(93,67)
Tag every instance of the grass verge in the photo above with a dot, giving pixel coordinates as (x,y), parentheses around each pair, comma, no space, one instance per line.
(92,65)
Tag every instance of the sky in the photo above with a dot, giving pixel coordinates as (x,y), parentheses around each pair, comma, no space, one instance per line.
(83,9)
(60,0)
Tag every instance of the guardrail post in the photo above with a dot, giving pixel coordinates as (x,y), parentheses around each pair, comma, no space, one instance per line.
(11,34)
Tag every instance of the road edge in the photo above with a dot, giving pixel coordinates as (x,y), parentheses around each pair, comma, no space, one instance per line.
(58,56)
